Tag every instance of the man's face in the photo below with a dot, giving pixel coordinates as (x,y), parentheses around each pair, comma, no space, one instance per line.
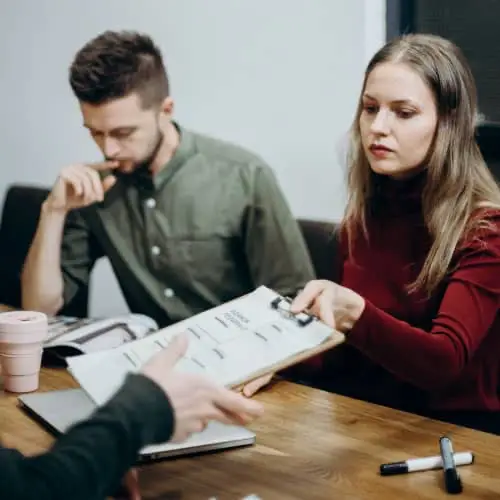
(124,131)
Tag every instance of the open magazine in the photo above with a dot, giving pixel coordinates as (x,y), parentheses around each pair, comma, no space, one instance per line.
(70,336)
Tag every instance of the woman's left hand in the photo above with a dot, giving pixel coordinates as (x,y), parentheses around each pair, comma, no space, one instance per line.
(335,305)
(255,385)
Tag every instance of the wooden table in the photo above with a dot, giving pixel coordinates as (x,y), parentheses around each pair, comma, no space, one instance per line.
(310,444)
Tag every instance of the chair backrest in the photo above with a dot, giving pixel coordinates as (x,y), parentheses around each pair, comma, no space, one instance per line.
(487,137)
(322,242)
(21,211)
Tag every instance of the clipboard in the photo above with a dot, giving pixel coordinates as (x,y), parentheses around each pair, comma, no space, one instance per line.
(239,341)
(303,319)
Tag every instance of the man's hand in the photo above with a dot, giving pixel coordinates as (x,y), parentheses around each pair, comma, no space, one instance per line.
(196,399)
(80,185)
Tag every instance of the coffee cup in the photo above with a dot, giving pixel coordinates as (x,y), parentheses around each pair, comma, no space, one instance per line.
(22,334)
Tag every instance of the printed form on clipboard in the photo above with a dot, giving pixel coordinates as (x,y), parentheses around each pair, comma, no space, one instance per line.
(232,343)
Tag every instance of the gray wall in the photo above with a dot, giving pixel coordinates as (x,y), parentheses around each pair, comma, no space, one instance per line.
(278,76)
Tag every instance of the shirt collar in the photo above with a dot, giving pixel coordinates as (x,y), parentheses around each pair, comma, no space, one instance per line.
(142,178)
(184,151)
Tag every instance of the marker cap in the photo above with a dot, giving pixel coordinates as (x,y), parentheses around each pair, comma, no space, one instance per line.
(393,469)
(452,481)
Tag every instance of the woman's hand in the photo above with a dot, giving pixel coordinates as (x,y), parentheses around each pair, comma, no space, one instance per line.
(335,305)
(255,385)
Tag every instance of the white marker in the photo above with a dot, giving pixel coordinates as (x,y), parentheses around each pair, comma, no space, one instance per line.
(421,464)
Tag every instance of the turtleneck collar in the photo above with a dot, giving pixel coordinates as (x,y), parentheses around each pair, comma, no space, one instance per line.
(391,196)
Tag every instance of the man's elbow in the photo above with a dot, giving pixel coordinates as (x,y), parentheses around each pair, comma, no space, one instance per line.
(48,308)
(35,298)
(43,303)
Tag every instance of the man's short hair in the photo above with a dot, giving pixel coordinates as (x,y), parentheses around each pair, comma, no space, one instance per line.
(116,64)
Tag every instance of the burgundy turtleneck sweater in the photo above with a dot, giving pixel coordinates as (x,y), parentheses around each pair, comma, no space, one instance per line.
(410,351)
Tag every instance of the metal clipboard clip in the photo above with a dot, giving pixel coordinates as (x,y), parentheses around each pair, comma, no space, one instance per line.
(282,304)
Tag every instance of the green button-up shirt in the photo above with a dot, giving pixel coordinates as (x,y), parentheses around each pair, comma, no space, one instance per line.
(211,226)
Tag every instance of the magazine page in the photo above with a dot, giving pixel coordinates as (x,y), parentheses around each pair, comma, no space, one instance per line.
(86,335)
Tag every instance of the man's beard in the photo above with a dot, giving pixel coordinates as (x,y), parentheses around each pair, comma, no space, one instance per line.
(144,165)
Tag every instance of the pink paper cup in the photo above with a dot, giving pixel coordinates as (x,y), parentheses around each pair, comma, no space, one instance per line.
(22,334)
(21,383)
(22,331)
(22,364)
(23,326)
(18,349)
(21,373)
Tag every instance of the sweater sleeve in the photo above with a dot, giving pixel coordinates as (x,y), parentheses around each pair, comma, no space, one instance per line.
(432,359)
(90,460)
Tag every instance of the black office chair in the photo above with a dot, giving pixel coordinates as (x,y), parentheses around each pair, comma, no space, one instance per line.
(322,242)
(488,139)
(21,211)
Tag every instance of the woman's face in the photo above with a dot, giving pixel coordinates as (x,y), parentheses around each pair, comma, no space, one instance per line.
(398,120)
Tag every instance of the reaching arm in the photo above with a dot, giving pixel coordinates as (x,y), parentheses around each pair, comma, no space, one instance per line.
(90,461)
(432,359)
(274,245)
(160,404)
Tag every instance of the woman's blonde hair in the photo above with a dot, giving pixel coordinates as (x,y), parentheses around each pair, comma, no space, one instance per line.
(458,182)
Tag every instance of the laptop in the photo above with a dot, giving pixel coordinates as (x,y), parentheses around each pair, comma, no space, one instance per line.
(58,410)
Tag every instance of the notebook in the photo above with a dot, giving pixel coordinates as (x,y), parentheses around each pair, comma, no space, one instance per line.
(58,410)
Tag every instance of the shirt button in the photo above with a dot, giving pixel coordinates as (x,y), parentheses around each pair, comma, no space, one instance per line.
(168,292)
(155,250)
(151,203)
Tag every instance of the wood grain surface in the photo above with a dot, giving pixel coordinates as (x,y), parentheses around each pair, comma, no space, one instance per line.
(310,444)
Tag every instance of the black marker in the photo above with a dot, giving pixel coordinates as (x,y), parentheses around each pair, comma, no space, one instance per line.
(423,464)
(452,479)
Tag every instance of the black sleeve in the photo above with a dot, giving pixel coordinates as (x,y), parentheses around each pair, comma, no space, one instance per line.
(89,461)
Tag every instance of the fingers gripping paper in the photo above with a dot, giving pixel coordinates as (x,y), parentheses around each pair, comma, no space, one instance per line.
(232,343)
